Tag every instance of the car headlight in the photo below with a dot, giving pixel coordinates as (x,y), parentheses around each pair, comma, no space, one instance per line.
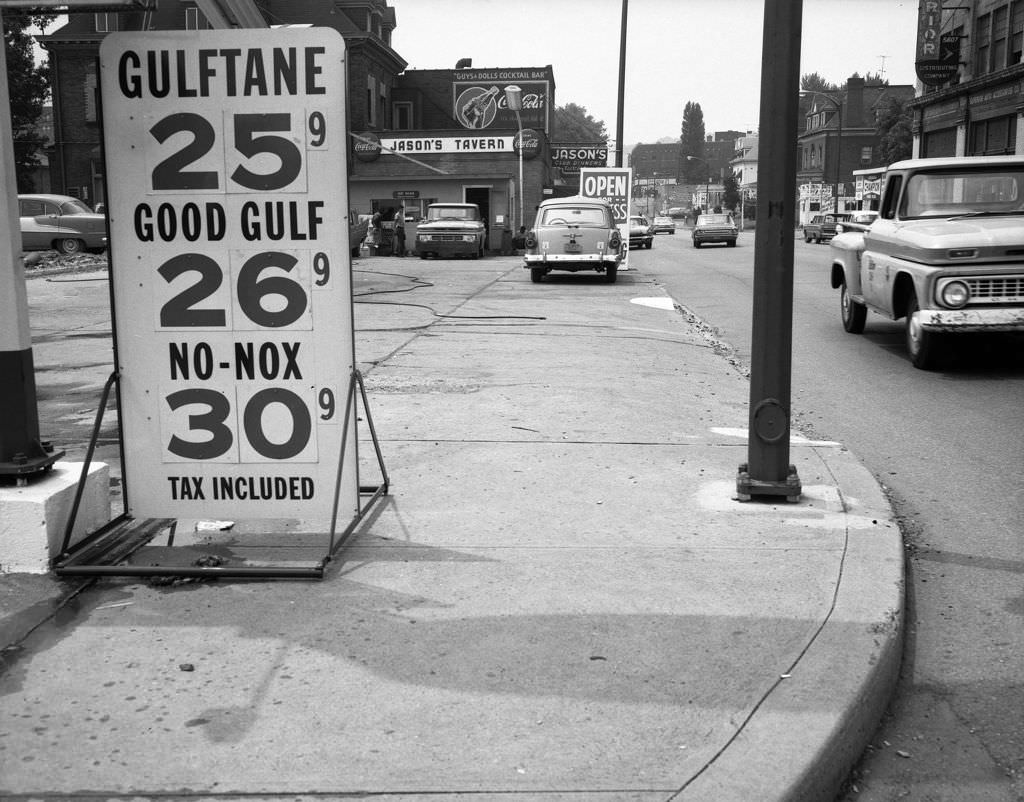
(955,294)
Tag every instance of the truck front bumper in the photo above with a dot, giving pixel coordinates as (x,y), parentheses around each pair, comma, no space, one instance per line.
(973,319)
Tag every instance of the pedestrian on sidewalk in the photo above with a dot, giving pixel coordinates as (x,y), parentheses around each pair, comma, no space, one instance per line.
(399,249)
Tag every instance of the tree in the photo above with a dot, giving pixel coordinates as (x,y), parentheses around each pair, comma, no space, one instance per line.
(812,82)
(691,143)
(28,85)
(895,133)
(573,124)
(731,195)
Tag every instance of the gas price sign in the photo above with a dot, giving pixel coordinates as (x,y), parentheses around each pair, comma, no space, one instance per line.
(227,195)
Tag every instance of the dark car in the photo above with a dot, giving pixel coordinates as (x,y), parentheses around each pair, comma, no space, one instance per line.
(60,223)
(640,233)
(663,224)
(823,226)
(715,228)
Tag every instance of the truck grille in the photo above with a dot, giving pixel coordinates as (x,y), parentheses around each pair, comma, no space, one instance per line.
(996,289)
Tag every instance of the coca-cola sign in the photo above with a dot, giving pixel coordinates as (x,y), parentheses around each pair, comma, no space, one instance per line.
(367,146)
(482,104)
(529,142)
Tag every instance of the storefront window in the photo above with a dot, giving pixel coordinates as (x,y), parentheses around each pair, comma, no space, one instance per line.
(993,137)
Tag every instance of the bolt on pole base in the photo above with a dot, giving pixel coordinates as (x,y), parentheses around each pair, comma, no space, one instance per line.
(747,488)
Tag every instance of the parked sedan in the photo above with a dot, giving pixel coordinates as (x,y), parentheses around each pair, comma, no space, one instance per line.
(573,234)
(663,225)
(640,234)
(714,228)
(60,223)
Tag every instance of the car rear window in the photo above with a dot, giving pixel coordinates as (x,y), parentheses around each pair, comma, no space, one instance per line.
(574,215)
(713,219)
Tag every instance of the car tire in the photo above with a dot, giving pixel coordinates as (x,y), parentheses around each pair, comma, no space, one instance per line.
(649,244)
(69,246)
(611,273)
(922,345)
(696,244)
(732,243)
(854,314)
(536,274)
(806,238)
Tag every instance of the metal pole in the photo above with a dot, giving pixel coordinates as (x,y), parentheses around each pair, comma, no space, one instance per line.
(622,85)
(22,454)
(519,122)
(768,471)
(839,154)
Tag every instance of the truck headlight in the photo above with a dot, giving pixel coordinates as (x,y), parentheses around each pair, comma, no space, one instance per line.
(955,294)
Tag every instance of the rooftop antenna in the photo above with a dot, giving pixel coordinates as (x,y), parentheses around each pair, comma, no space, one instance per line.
(881,74)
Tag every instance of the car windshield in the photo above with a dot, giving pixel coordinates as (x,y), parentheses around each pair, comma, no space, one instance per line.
(957,192)
(637,221)
(451,213)
(574,216)
(713,219)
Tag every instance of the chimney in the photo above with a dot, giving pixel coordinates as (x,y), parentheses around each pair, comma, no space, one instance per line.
(853,114)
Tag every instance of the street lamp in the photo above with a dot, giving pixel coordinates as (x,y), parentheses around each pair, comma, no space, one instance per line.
(707,185)
(514,99)
(839,141)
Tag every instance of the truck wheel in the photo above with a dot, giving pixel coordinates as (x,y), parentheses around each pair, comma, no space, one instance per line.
(922,345)
(611,273)
(536,274)
(854,314)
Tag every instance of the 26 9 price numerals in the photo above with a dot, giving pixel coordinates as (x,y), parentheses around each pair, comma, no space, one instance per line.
(270,289)
(255,140)
(272,423)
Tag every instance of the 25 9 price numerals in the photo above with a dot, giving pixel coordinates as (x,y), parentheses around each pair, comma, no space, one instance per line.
(255,141)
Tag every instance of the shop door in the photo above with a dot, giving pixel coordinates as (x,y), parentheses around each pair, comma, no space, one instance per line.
(481,196)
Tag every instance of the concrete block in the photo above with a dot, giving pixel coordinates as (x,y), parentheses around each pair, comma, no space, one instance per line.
(33,517)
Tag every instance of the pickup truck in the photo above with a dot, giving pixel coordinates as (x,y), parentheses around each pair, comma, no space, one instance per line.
(451,229)
(946,253)
(823,226)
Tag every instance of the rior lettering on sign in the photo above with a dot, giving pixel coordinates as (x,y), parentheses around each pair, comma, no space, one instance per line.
(226,167)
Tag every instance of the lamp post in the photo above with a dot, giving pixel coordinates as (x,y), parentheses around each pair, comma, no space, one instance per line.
(707,185)
(839,141)
(514,99)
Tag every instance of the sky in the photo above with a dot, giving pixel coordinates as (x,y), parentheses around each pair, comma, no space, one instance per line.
(677,51)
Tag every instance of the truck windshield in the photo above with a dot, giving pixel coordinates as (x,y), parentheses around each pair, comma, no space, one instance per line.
(451,213)
(958,192)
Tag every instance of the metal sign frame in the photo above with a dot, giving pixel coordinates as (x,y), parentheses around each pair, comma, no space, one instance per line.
(237,374)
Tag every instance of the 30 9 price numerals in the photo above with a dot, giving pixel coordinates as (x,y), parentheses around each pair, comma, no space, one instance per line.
(263,424)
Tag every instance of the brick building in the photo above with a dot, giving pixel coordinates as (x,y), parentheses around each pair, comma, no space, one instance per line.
(417,135)
(978,111)
(839,135)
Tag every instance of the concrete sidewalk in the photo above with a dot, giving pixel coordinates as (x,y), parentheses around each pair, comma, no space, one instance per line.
(559,599)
